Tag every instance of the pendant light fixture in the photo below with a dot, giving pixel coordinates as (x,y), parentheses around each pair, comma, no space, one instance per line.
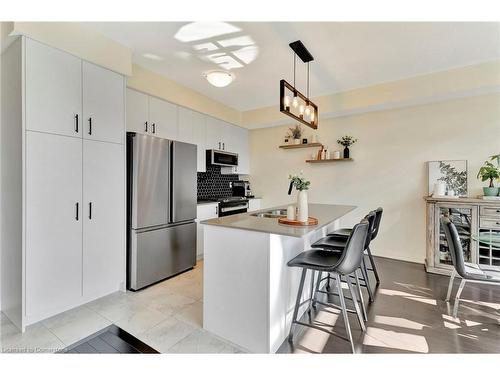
(292,102)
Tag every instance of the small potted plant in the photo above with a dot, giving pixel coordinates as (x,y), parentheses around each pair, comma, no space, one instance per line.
(347,141)
(296,134)
(301,185)
(490,172)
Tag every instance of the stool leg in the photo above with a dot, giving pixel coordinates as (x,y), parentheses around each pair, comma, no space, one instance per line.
(373,264)
(312,293)
(457,297)
(364,272)
(344,314)
(450,285)
(318,282)
(361,299)
(354,296)
(297,303)
(328,281)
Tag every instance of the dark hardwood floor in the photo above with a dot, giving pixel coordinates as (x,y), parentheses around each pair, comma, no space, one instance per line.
(409,315)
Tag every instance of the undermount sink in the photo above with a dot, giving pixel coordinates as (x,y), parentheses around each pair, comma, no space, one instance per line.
(270,214)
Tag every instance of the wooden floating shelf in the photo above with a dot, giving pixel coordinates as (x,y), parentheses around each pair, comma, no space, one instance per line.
(329,160)
(302,145)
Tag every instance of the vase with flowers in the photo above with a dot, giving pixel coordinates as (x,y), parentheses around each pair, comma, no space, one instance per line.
(347,141)
(296,134)
(301,184)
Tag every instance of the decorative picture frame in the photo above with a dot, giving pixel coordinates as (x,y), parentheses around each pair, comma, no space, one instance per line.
(452,172)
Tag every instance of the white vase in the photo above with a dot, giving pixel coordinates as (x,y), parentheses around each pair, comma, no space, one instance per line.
(296,141)
(303,214)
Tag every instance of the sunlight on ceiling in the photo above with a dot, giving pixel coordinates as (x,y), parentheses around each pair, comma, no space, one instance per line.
(220,43)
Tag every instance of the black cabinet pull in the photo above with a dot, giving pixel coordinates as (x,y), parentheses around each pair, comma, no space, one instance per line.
(154,128)
(219,146)
(90,125)
(77,209)
(223,146)
(146,128)
(76,123)
(90,210)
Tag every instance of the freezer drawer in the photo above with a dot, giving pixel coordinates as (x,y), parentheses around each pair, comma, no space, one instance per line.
(157,254)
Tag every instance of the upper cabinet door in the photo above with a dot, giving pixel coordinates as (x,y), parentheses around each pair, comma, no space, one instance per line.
(192,129)
(137,112)
(53,90)
(103,217)
(103,104)
(186,125)
(215,129)
(163,118)
(53,223)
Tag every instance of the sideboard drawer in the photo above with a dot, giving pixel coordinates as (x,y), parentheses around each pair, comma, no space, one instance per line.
(489,211)
(490,223)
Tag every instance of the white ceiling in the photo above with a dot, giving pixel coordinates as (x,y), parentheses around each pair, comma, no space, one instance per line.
(347,55)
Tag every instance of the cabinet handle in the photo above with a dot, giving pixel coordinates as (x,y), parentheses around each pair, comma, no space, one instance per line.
(223,146)
(77,210)
(90,125)
(146,123)
(217,210)
(76,123)
(90,210)
(154,128)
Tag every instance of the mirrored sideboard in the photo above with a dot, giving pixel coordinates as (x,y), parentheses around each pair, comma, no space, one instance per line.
(474,218)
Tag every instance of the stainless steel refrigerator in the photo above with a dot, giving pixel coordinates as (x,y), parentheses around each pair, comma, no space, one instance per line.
(161,207)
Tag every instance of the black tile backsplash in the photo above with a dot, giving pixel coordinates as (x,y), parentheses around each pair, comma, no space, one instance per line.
(213,184)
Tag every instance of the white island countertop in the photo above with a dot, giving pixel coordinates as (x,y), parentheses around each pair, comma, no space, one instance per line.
(325,213)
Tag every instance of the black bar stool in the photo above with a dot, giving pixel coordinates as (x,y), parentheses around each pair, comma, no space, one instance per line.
(344,233)
(338,264)
(338,244)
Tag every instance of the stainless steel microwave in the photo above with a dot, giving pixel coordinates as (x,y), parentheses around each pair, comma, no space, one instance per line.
(222,158)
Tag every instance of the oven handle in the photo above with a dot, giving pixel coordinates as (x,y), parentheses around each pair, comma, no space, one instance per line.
(234,208)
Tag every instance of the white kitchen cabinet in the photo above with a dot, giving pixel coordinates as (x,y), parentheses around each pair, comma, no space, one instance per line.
(103,104)
(239,143)
(163,118)
(53,90)
(60,258)
(137,109)
(214,133)
(254,204)
(204,212)
(192,129)
(103,218)
(53,223)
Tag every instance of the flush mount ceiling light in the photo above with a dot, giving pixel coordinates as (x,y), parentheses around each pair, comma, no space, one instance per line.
(292,102)
(219,78)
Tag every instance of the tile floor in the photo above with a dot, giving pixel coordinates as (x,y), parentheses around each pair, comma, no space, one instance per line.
(166,316)
(408,316)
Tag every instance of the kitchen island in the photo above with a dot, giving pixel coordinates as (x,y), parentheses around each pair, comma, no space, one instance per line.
(249,291)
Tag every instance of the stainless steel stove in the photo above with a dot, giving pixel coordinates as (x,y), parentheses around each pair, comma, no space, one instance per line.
(232,205)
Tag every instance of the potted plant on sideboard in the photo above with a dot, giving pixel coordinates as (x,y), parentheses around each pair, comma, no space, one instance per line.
(490,172)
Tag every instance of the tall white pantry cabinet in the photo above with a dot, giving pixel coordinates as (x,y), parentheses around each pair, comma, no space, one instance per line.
(63,182)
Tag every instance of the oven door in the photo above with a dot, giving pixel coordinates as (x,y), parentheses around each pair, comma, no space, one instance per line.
(232,208)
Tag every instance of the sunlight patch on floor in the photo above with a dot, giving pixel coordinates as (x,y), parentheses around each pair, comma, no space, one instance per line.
(395,340)
(314,340)
(398,322)
(413,297)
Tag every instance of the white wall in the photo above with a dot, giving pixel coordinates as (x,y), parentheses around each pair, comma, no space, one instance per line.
(389,167)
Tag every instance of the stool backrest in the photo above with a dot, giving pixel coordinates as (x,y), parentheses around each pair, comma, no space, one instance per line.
(371,217)
(378,218)
(454,246)
(354,250)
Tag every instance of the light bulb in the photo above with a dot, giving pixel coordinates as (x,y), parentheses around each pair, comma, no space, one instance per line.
(295,102)
(312,116)
(308,111)
(286,101)
(301,109)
